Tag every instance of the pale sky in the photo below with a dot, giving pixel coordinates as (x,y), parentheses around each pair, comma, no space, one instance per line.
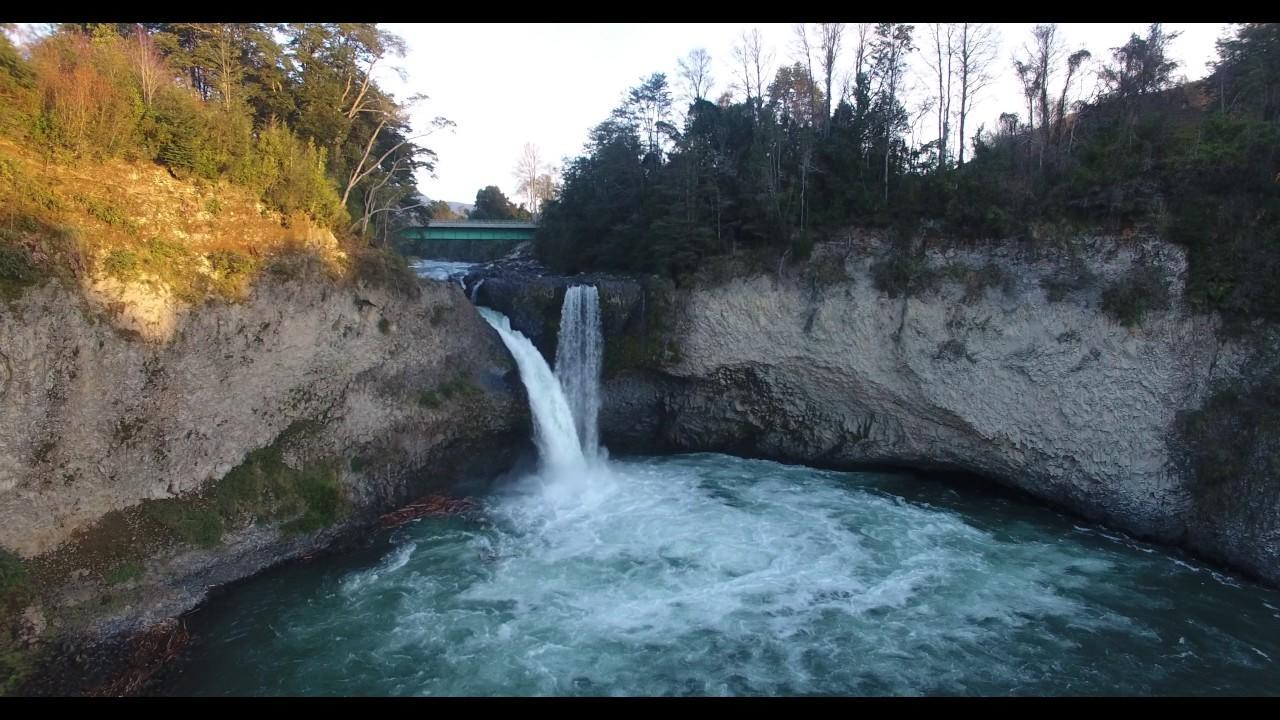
(549,84)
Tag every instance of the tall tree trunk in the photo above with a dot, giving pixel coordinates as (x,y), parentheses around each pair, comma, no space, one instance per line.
(964,86)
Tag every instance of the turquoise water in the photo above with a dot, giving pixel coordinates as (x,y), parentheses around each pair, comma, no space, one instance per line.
(711,575)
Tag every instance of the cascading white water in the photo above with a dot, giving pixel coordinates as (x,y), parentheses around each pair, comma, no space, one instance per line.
(712,575)
(578,358)
(476,291)
(554,431)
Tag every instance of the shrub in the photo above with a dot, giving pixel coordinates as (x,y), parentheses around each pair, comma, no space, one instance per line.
(16,271)
(290,175)
(15,581)
(18,98)
(976,280)
(1073,278)
(194,138)
(16,590)
(89,101)
(121,264)
(265,488)
(827,269)
(124,572)
(186,518)
(229,262)
(1129,300)
(1232,437)
(104,211)
(901,273)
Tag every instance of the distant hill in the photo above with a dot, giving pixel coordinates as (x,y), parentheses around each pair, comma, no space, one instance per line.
(457,207)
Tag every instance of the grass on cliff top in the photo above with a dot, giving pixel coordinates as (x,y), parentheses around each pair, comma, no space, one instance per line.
(136,223)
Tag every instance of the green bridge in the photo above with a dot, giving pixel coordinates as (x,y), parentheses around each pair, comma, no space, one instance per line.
(471,240)
(488,230)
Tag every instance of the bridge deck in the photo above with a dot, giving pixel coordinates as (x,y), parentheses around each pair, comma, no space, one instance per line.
(500,230)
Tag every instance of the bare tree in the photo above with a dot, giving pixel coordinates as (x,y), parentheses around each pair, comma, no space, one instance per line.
(742,68)
(147,64)
(976,53)
(888,53)
(389,114)
(831,36)
(753,60)
(861,47)
(940,60)
(695,70)
(1038,69)
(546,186)
(528,169)
(805,50)
(1074,62)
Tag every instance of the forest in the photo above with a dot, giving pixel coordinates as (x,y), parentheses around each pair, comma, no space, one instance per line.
(780,163)
(290,111)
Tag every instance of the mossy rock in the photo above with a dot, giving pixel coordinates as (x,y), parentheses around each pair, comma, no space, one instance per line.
(189,519)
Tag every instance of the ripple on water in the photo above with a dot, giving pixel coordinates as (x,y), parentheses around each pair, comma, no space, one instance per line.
(711,575)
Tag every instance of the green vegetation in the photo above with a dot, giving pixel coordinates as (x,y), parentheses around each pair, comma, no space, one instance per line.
(104,211)
(124,572)
(286,115)
(438,314)
(359,463)
(16,271)
(189,520)
(492,204)
(903,270)
(827,269)
(977,280)
(264,488)
(1230,442)
(460,386)
(1142,291)
(650,344)
(1073,278)
(15,582)
(16,590)
(787,165)
(258,104)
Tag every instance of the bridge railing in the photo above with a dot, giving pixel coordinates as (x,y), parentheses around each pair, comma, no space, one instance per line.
(489,223)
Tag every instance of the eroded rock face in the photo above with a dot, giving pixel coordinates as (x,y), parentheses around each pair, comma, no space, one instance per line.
(1051,397)
(96,417)
(519,287)
(94,420)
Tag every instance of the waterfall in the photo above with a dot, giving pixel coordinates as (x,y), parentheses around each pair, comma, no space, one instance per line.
(578,359)
(475,291)
(554,431)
